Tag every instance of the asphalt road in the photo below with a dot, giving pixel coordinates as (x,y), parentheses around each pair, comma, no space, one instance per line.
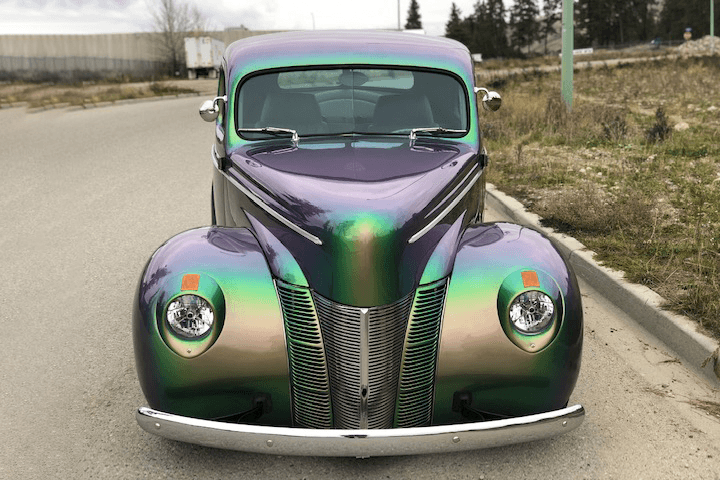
(86,198)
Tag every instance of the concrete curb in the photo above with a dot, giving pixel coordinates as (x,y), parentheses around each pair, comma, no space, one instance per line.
(639,302)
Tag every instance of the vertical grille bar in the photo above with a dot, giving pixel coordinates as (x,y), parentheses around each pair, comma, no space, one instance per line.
(358,368)
(352,351)
(340,326)
(308,369)
(419,359)
(387,326)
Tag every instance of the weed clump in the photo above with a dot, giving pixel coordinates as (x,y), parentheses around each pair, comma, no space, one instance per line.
(661,130)
(616,129)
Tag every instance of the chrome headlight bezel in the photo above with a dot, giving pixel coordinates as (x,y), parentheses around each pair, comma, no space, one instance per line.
(515,290)
(205,292)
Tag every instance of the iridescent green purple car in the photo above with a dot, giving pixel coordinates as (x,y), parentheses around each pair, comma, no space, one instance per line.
(348,299)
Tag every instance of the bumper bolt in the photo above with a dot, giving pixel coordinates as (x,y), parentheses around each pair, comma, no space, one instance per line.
(456,439)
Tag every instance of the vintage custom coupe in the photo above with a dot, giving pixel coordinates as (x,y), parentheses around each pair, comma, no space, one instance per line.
(348,299)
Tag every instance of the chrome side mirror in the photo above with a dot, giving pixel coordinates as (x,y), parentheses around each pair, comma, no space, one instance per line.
(210,109)
(491,100)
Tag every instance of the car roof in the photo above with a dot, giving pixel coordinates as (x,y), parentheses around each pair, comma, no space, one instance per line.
(345,47)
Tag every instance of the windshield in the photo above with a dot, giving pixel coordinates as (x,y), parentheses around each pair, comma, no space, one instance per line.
(352,100)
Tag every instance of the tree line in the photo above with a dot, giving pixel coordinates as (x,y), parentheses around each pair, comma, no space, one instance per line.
(495,31)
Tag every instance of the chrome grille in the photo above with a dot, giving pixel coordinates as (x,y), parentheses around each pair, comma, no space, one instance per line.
(386,334)
(363,348)
(417,375)
(341,331)
(308,368)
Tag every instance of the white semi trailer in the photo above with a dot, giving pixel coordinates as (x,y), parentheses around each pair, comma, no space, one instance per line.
(203,56)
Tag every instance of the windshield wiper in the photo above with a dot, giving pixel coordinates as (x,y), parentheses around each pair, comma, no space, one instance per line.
(273,131)
(415,131)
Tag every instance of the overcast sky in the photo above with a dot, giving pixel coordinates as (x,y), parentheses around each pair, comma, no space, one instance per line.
(117,16)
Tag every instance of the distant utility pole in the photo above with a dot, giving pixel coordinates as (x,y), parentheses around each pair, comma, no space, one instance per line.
(399,27)
(566,75)
(712,27)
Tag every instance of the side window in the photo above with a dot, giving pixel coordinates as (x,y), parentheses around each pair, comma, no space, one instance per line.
(220,93)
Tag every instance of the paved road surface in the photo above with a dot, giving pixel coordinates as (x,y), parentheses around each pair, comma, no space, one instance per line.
(86,198)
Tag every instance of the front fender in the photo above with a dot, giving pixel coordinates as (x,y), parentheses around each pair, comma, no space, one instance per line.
(477,356)
(248,360)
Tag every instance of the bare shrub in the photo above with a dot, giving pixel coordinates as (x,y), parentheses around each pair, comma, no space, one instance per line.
(174,20)
(616,129)
(661,130)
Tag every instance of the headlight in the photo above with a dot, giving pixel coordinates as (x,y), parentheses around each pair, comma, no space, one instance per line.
(190,313)
(532,312)
(190,316)
(530,309)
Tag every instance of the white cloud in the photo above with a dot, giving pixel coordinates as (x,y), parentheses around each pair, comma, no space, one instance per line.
(114,16)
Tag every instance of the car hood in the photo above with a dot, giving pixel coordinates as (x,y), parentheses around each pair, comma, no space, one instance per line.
(363,199)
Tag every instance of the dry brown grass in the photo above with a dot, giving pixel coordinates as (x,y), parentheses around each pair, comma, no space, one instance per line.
(39,95)
(614,173)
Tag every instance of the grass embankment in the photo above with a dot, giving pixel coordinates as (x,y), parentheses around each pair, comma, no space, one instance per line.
(633,172)
(50,94)
(643,51)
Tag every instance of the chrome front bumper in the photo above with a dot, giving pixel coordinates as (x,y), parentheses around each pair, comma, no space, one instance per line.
(360,443)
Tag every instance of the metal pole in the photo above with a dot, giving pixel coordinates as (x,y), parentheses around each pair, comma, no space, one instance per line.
(399,16)
(712,27)
(566,75)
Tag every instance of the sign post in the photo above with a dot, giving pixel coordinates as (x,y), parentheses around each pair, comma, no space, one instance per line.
(712,27)
(399,26)
(566,75)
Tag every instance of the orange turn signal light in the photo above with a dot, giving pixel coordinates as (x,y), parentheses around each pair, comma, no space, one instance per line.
(530,279)
(191,281)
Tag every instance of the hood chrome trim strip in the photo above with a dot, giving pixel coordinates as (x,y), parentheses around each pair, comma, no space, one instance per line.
(260,203)
(447,209)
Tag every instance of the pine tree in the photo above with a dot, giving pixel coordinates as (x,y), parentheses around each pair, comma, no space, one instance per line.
(455,28)
(413,16)
(523,21)
(484,31)
(613,22)
(678,15)
(490,28)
